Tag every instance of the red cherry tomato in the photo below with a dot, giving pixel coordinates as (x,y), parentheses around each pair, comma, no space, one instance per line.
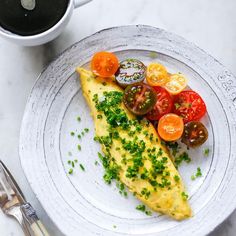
(163,105)
(104,64)
(189,105)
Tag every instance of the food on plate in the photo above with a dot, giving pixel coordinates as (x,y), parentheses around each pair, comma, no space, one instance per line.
(104,64)
(195,134)
(170,127)
(157,74)
(133,152)
(189,105)
(176,83)
(163,106)
(130,71)
(139,98)
(140,114)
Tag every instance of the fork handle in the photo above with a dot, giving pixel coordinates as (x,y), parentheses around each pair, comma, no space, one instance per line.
(31,217)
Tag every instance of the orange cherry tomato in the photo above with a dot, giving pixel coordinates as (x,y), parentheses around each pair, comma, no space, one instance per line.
(157,74)
(104,64)
(170,127)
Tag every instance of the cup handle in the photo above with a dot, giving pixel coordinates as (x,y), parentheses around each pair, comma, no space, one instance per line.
(79,3)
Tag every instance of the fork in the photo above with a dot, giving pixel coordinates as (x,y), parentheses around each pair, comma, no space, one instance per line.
(12,208)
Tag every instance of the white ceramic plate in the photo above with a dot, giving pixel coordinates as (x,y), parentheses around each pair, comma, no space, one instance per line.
(82,204)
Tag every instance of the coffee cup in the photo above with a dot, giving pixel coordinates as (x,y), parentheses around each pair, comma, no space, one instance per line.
(45,36)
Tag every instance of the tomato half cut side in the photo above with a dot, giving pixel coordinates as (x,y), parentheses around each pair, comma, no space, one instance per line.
(195,134)
(176,84)
(139,98)
(104,64)
(163,105)
(189,105)
(157,74)
(131,71)
(170,127)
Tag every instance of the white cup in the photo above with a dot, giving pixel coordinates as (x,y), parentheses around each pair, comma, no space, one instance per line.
(48,35)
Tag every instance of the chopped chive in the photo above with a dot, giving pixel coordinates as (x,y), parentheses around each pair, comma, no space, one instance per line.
(72,133)
(86,130)
(82,133)
(96,163)
(176,178)
(199,172)
(70,171)
(79,147)
(82,167)
(184,196)
(69,162)
(78,118)
(149,213)
(141,208)
(153,55)
(73,164)
(79,136)
(193,177)
(177,105)
(114,226)
(76,160)
(206,152)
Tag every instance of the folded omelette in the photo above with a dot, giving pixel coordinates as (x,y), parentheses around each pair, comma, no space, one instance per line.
(132,150)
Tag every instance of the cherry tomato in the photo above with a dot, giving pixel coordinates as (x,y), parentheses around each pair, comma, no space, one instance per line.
(189,105)
(195,134)
(104,64)
(163,105)
(170,127)
(157,74)
(139,98)
(176,83)
(130,71)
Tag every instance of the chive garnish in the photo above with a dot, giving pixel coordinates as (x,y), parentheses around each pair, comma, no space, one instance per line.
(82,167)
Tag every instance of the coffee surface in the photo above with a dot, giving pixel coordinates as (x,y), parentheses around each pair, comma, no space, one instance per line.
(18,20)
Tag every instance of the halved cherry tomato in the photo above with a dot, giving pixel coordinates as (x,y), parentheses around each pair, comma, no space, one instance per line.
(163,105)
(157,74)
(189,105)
(130,71)
(170,127)
(104,64)
(176,83)
(139,98)
(195,134)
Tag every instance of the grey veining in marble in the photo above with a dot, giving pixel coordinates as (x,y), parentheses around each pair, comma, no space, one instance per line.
(209,24)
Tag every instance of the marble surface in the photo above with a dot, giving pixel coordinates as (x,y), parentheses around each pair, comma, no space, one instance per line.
(209,24)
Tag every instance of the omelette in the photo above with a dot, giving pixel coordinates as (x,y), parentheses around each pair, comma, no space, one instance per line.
(133,153)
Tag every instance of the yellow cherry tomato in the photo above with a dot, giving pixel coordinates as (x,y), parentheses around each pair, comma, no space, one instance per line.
(157,74)
(176,83)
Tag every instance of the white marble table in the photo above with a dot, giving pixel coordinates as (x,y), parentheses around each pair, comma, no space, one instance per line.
(209,24)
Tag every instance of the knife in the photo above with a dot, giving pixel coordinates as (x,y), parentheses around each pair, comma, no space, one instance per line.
(13,203)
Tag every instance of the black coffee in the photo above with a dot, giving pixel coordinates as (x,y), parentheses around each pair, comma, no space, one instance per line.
(18,20)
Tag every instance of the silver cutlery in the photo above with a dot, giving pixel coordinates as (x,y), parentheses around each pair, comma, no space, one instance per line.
(13,203)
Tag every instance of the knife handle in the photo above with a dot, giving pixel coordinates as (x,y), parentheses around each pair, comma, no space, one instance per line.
(31,217)
(39,229)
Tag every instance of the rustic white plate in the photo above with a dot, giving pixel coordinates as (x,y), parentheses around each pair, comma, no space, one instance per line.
(82,204)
